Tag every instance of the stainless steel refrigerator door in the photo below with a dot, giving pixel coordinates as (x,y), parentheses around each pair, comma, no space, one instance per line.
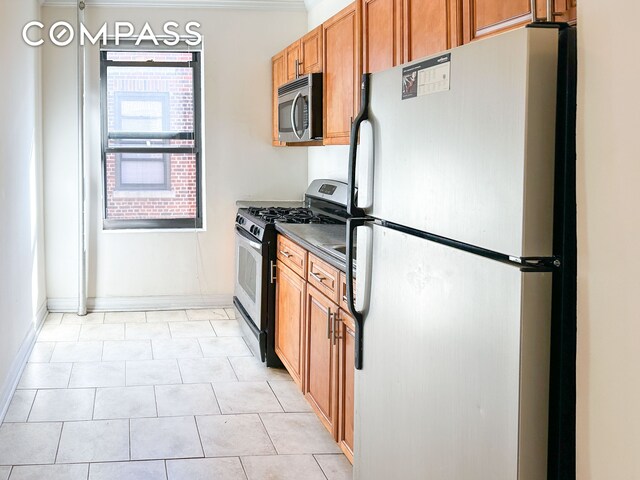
(474,163)
(456,359)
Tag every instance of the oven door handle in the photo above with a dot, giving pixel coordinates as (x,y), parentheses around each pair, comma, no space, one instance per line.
(245,236)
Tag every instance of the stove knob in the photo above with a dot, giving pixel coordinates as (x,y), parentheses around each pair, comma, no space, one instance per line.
(241,220)
(257,234)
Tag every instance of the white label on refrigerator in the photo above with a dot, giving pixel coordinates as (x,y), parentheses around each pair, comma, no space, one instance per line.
(427,77)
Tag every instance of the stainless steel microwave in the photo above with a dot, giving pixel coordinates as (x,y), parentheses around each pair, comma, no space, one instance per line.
(300,109)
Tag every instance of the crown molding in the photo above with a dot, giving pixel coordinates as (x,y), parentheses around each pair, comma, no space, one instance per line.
(229,4)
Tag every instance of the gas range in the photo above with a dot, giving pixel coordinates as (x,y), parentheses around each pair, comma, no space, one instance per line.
(256,237)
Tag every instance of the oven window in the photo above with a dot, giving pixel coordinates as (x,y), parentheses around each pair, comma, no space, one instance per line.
(247,272)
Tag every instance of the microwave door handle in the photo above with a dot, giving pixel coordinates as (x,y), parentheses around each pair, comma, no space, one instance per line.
(293,115)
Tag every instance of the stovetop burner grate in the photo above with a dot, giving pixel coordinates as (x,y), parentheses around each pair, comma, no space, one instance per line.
(289,215)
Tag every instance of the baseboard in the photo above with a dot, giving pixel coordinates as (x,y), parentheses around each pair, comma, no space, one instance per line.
(131,304)
(20,361)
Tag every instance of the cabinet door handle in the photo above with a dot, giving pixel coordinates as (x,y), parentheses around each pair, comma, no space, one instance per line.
(286,254)
(329,320)
(336,320)
(316,276)
(273,271)
(344,298)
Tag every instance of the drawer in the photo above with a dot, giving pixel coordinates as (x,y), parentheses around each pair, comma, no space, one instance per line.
(324,277)
(292,255)
(343,292)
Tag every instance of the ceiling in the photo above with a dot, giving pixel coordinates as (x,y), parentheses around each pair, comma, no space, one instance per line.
(242,4)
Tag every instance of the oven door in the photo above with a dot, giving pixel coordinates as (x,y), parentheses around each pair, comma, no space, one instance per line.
(293,116)
(248,289)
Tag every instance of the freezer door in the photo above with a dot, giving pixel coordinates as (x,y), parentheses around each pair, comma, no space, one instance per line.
(456,362)
(473,163)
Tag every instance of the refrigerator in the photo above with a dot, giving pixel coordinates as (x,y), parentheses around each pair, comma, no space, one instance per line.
(462,199)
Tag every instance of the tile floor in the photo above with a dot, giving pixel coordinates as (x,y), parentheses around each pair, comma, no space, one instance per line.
(173,395)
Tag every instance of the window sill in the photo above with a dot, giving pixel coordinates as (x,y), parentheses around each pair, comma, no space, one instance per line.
(144,194)
(116,231)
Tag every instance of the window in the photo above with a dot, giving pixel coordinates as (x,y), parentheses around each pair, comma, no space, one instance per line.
(151,139)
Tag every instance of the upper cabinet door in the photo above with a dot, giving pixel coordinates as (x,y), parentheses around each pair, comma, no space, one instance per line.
(292,60)
(566,10)
(430,26)
(381,34)
(311,51)
(341,75)
(279,76)
(486,17)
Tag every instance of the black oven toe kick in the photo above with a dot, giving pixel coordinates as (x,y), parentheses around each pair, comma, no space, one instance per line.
(256,338)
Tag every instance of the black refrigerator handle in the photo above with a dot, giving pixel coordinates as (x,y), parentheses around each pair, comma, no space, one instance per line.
(352,224)
(363,115)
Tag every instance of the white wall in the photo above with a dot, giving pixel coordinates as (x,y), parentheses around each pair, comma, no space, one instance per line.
(608,231)
(239,161)
(22,286)
(329,161)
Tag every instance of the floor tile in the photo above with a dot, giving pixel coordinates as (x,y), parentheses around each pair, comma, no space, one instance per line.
(290,396)
(250,369)
(146,331)
(204,370)
(191,329)
(102,332)
(295,433)
(88,319)
(224,347)
(153,372)
(335,467)
(45,375)
(206,469)
(42,352)
(20,406)
(231,313)
(234,435)
(59,333)
(174,437)
(28,443)
(77,352)
(179,348)
(180,400)
(148,470)
(51,472)
(4,473)
(98,374)
(53,319)
(167,316)
(125,317)
(124,402)
(246,397)
(207,314)
(227,328)
(94,441)
(63,405)
(126,350)
(282,467)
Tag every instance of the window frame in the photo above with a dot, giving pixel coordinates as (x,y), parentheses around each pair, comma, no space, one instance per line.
(195,150)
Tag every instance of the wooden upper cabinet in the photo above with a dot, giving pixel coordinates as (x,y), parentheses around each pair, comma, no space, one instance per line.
(566,11)
(381,34)
(311,51)
(341,75)
(293,58)
(486,17)
(430,27)
(279,76)
(290,305)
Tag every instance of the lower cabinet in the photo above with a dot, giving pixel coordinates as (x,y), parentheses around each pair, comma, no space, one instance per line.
(321,359)
(290,306)
(346,342)
(315,339)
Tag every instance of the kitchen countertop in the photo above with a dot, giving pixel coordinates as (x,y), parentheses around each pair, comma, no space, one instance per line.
(313,236)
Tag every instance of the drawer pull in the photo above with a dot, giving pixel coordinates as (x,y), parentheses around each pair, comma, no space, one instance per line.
(344,298)
(316,276)
(285,253)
